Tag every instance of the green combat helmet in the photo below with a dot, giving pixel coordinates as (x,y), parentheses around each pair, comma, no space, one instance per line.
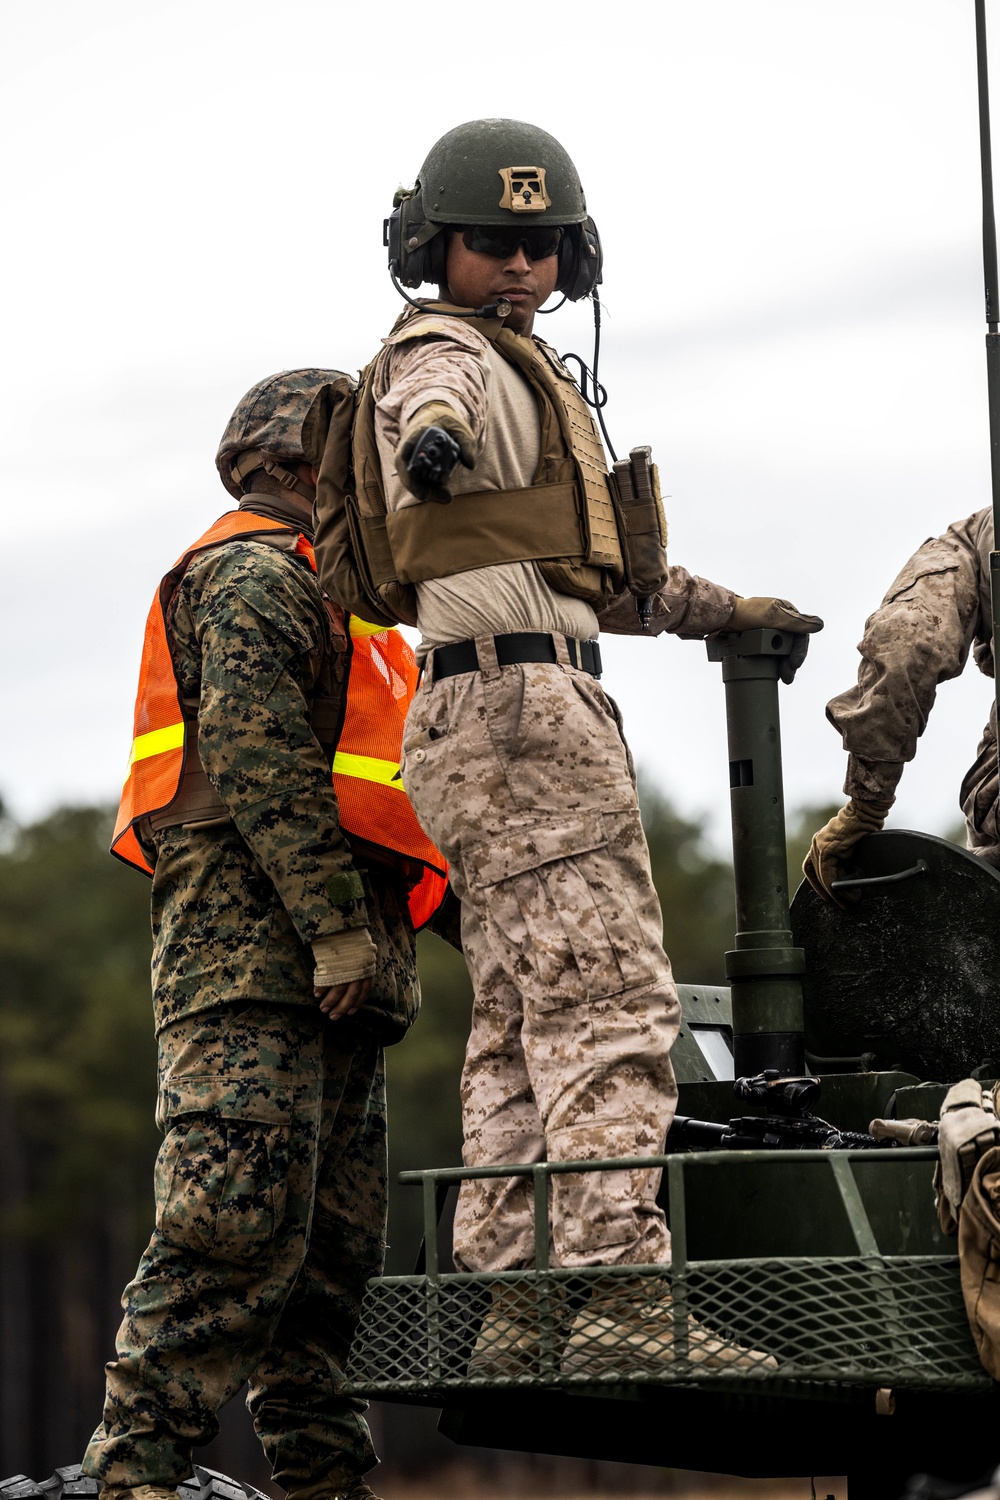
(493,172)
(281,420)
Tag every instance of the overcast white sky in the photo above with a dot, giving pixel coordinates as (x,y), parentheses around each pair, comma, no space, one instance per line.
(788,195)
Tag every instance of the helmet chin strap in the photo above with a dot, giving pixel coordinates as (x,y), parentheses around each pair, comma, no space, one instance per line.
(287,479)
(249,462)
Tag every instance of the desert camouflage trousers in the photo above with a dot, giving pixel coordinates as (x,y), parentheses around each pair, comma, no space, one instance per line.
(270,1217)
(521,776)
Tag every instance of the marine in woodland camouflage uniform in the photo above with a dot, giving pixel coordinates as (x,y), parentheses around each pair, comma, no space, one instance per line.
(936,613)
(271,1180)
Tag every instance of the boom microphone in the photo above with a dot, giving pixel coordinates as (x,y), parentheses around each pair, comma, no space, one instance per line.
(501,309)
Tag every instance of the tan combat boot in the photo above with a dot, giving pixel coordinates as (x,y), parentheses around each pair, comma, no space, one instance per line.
(629,1331)
(138,1492)
(347,1489)
(510,1338)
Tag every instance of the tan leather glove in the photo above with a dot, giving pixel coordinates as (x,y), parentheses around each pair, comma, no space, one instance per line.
(777,614)
(343,957)
(832,844)
(434,414)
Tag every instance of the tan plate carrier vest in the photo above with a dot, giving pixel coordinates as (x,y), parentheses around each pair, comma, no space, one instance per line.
(565,520)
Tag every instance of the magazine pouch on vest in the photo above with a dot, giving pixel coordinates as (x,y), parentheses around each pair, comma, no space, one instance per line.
(642,525)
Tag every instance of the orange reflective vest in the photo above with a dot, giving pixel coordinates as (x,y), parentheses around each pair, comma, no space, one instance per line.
(381,682)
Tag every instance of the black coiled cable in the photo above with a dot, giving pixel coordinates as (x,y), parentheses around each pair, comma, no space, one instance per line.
(591,389)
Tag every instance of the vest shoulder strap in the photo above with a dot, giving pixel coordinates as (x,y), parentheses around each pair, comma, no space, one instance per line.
(467,332)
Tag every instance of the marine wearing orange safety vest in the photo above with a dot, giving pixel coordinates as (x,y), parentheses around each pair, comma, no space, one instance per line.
(381,683)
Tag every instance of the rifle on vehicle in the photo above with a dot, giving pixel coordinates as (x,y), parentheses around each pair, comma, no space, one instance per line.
(789,1124)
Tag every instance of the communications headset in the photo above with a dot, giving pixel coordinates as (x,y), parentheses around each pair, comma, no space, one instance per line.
(418,251)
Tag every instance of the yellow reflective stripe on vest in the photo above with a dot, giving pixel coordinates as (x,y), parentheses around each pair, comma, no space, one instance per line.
(368,768)
(360,627)
(156,742)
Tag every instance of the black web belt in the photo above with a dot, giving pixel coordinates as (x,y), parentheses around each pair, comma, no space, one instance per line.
(518,646)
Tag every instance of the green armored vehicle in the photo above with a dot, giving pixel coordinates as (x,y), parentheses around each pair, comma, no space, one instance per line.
(799,1244)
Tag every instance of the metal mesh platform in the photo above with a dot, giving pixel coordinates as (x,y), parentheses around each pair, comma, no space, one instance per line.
(889,1322)
(864,1318)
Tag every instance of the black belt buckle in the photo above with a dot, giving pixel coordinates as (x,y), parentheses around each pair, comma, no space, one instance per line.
(585,655)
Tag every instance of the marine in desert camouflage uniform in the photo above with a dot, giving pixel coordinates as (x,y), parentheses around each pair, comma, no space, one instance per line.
(282,964)
(520,771)
(937,612)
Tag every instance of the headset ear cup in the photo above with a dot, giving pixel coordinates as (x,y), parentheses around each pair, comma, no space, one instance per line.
(569,259)
(413,267)
(392,239)
(583,262)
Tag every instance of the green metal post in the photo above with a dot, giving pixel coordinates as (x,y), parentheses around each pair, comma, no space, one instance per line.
(678,1255)
(764,969)
(543,1278)
(433,1281)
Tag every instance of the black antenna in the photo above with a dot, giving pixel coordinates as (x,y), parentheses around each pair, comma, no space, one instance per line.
(986,158)
(992,311)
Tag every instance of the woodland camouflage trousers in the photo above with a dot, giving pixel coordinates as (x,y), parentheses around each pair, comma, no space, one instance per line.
(270,1218)
(521,776)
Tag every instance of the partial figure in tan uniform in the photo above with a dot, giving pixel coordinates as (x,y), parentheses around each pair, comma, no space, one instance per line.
(936,612)
(513,755)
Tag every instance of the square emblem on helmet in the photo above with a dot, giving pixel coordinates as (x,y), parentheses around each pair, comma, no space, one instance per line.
(524,190)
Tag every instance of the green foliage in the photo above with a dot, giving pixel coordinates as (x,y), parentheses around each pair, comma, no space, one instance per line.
(77,1085)
(695,890)
(422,1079)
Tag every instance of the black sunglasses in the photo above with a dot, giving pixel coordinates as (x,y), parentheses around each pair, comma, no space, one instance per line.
(539,241)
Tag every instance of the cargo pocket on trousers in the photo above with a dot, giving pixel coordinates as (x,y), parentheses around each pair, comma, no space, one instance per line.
(555,897)
(221,1186)
(599,1211)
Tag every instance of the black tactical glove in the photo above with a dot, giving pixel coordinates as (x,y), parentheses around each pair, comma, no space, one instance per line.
(435,440)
